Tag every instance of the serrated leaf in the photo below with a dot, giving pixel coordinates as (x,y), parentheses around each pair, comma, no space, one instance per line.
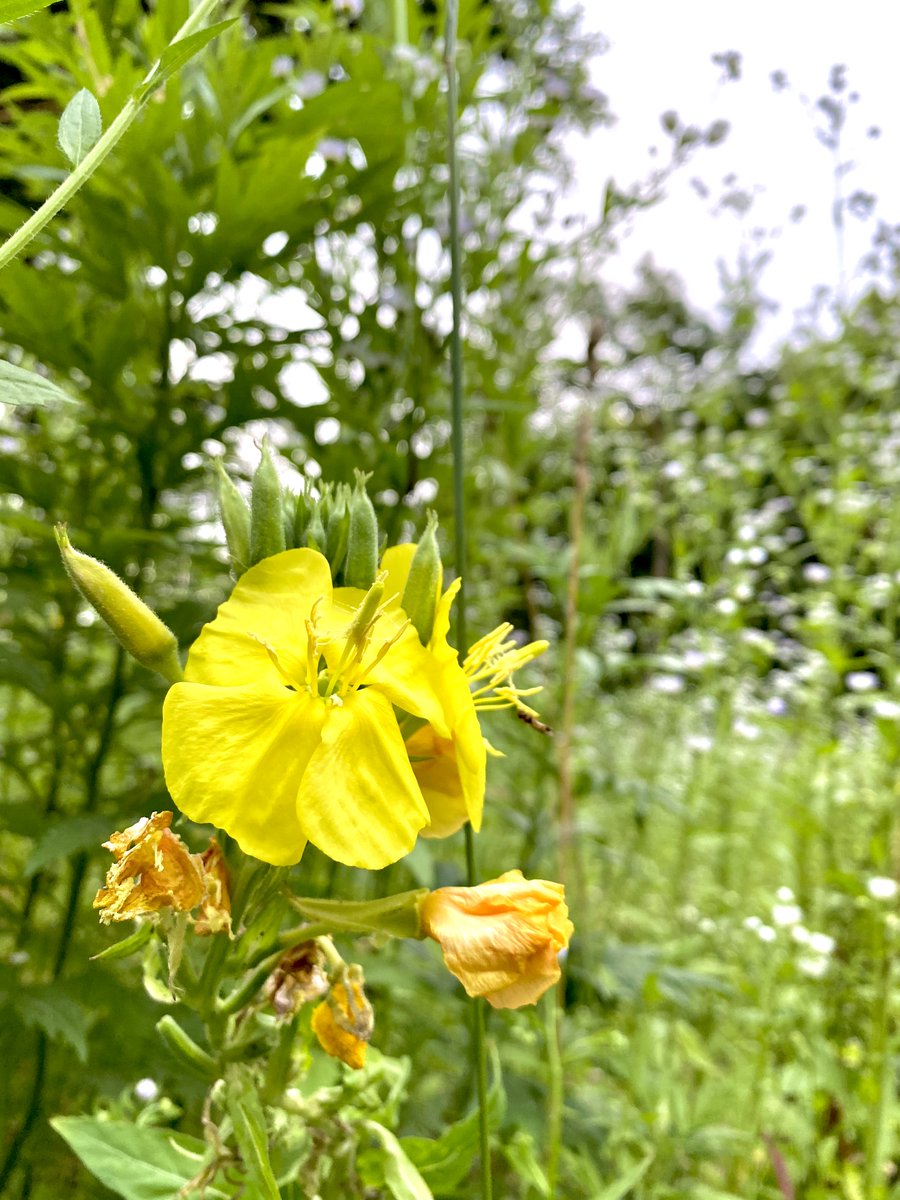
(65,837)
(80,126)
(137,1162)
(400,1174)
(175,56)
(18,386)
(12,10)
(57,1015)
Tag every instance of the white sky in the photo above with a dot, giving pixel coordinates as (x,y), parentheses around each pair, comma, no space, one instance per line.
(660,58)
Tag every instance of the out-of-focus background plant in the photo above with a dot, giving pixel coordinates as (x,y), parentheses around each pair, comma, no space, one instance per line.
(709,544)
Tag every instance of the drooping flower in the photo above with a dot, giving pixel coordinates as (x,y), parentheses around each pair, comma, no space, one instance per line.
(154,870)
(297,979)
(285,730)
(344,1021)
(451,770)
(501,939)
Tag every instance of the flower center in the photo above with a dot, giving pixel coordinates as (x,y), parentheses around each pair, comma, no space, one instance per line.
(356,661)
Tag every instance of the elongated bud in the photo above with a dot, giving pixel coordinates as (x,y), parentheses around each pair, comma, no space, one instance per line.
(288,513)
(235,514)
(137,627)
(315,532)
(266,512)
(362,538)
(396,915)
(302,513)
(185,1048)
(338,528)
(423,584)
(366,612)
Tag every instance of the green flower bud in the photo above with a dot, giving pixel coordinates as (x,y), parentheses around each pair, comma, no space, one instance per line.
(266,513)
(337,529)
(302,514)
(423,584)
(235,514)
(185,1048)
(315,531)
(137,627)
(289,509)
(362,538)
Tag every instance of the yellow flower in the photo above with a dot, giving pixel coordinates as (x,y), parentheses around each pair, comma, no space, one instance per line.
(451,770)
(153,870)
(343,1022)
(285,731)
(501,939)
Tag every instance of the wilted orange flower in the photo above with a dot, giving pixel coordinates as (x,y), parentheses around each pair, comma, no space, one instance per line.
(501,939)
(215,907)
(343,1022)
(153,870)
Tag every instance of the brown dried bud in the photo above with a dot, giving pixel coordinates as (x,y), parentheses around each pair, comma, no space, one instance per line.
(297,979)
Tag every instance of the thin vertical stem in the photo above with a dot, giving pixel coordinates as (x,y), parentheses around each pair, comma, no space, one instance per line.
(459,515)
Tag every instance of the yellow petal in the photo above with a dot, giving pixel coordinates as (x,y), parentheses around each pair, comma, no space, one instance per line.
(235,757)
(396,561)
(434,764)
(360,802)
(441,632)
(268,607)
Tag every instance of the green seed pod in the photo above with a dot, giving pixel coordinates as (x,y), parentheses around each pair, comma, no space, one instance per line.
(137,627)
(235,514)
(338,528)
(266,510)
(423,583)
(315,531)
(289,506)
(362,538)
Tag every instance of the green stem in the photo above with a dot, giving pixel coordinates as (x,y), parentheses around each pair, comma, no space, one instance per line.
(459,522)
(555,1090)
(26,233)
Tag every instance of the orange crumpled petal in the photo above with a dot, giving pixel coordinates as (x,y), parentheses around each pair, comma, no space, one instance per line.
(215,907)
(343,1023)
(501,939)
(153,870)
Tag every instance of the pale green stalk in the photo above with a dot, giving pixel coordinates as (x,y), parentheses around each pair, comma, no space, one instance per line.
(26,233)
(459,521)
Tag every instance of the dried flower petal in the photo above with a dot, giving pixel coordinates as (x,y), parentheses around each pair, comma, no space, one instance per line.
(153,870)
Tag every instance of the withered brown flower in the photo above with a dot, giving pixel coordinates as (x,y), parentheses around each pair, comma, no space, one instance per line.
(153,870)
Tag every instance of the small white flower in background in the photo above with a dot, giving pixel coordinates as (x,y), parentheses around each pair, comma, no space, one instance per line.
(689,913)
(756,555)
(727,606)
(801,935)
(861,681)
(816,573)
(706,925)
(814,966)
(694,587)
(787,914)
(746,729)
(766,933)
(880,887)
(348,8)
(694,660)
(700,743)
(332,149)
(785,895)
(673,469)
(669,685)
(776,706)
(821,943)
(146,1090)
(888,710)
(753,923)
(736,556)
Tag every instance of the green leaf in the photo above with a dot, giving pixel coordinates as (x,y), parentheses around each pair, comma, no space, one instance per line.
(175,56)
(12,10)
(127,946)
(80,126)
(622,1186)
(57,1015)
(521,1156)
(65,837)
(400,1174)
(138,1162)
(18,386)
(250,1130)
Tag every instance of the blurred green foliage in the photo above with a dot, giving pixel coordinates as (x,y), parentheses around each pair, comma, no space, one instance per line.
(264,253)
